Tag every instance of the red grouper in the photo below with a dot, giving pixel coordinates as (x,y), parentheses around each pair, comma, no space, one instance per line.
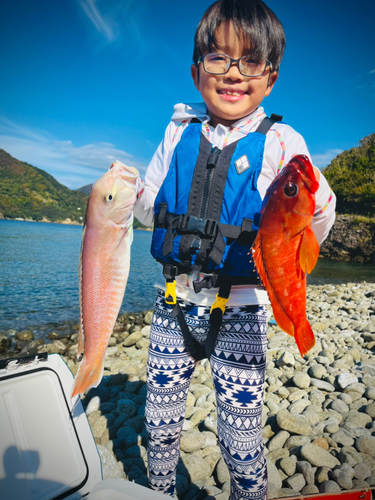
(285,248)
(104,267)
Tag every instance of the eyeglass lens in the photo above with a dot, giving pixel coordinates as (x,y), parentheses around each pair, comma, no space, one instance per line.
(219,64)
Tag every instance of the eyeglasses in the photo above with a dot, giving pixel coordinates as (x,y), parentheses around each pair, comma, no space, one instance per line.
(219,64)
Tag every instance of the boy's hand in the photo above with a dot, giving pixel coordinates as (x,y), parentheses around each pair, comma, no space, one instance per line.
(316,170)
(139,183)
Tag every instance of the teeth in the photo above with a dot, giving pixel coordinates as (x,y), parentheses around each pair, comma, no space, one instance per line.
(230,93)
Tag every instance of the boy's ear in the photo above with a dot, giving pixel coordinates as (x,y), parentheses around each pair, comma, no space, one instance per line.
(273,77)
(195,75)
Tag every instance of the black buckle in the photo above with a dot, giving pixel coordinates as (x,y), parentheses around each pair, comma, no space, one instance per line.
(206,282)
(170,271)
(194,225)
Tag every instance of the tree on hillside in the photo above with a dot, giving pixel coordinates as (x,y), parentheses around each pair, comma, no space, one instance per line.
(352,177)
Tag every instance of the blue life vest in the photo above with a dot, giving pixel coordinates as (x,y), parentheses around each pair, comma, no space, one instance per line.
(207,208)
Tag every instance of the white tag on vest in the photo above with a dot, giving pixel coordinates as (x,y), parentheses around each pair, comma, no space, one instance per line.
(242,164)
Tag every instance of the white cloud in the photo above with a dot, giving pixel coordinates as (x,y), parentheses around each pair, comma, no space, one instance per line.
(103,24)
(324,159)
(73,166)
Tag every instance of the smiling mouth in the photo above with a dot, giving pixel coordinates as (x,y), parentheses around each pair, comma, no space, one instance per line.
(231,92)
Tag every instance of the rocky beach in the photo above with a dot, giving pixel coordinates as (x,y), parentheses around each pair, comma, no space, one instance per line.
(318,416)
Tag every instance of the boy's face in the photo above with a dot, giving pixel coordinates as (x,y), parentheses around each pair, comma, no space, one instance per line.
(232,96)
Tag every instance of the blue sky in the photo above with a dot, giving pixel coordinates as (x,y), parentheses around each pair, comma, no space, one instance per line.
(84,82)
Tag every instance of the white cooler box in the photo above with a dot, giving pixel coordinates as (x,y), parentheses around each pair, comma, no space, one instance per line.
(47,449)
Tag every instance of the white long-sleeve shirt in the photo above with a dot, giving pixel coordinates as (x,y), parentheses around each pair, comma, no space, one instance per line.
(282,142)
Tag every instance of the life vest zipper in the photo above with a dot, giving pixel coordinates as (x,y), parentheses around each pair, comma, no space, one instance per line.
(211,164)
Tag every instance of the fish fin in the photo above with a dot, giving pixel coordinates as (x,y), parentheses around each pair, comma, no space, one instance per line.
(88,376)
(278,312)
(308,250)
(81,336)
(304,337)
(81,340)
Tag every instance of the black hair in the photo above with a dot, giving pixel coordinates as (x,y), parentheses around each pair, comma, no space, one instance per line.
(255,24)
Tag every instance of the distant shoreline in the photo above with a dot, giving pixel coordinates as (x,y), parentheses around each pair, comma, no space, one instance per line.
(66,222)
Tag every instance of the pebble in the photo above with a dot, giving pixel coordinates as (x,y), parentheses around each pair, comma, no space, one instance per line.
(318,457)
(318,418)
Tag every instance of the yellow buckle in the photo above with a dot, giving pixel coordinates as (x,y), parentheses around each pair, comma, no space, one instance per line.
(220,303)
(170,293)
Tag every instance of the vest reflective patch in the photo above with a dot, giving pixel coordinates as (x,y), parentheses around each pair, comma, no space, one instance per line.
(242,164)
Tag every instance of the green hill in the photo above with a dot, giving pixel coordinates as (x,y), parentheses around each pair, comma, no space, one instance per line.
(29,192)
(352,177)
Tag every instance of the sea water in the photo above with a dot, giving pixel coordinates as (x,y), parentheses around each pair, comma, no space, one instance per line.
(39,274)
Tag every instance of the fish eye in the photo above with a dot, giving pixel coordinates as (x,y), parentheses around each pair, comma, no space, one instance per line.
(109,198)
(291,189)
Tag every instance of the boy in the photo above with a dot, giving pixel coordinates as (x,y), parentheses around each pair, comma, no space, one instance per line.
(238,49)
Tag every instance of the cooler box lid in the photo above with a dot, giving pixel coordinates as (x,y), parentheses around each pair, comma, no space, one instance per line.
(46,446)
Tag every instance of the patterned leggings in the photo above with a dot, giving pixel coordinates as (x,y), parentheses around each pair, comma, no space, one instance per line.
(238,369)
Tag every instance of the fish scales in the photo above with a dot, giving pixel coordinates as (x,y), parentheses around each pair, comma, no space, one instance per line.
(285,247)
(104,267)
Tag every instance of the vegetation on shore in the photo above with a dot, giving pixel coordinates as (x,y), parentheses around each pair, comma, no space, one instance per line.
(27,192)
(31,193)
(351,175)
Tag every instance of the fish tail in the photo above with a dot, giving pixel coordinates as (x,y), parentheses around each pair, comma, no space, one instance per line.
(305,338)
(88,375)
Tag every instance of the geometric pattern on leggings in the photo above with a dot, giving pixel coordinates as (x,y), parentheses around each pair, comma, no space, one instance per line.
(238,369)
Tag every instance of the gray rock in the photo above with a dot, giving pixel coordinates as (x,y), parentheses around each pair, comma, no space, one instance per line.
(310,489)
(318,457)
(345,397)
(126,406)
(307,470)
(288,465)
(322,475)
(286,359)
(370,410)
(133,338)
(331,429)
(211,423)
(191,441)
(148,317)
(317,371)
(110,467)
(370,392)
(297,424)
(339,406)
(342,438)
(298,406)
(329,487)
(301,380)
(296,482)
(296,441)
(322,385)
(366,445)
(274,479)
(356,419)
(342,479)
(362,471)
(278,440)
(222,472)
(197,467)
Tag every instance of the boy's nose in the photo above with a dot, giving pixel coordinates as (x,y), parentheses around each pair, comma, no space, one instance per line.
(234,72)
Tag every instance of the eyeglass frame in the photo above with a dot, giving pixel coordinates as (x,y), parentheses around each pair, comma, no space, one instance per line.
(233,61)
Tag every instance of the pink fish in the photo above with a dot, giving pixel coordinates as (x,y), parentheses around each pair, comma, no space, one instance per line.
(104,267)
